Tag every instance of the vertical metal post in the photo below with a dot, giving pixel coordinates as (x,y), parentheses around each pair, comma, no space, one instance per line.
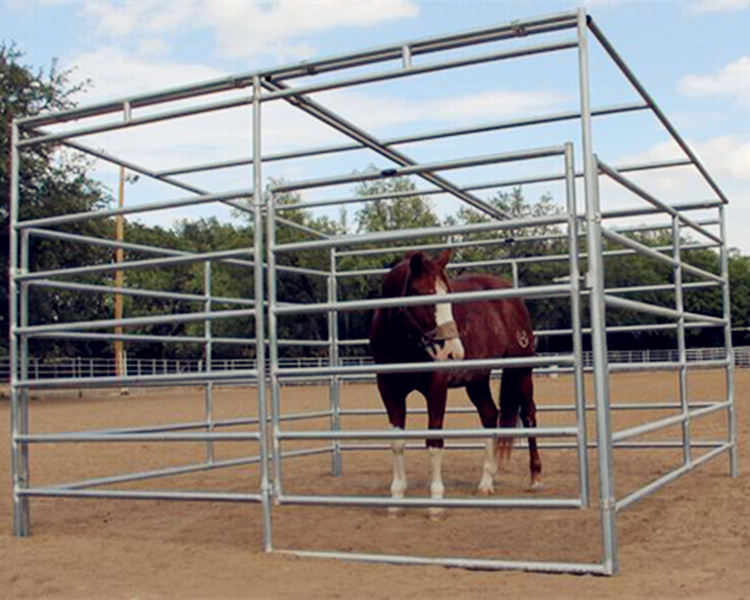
(681,348)
(598,311)
(273,349)
(208,356)
(734,468)
(19,400)
(260,333)
(575,316)
(514,271)
(333,354)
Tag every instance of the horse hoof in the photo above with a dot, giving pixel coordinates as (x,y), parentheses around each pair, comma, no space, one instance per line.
(485,491)
(536,485)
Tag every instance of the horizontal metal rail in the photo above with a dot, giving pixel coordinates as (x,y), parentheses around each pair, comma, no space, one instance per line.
(668,366)
(164,436)
(156,474)
(655,445)
(249,375)
(149,263)
(639,191)
(669,477)
(46,137)
(448,165)
(115,244)
(129,210)
(419,367)
(47,492)
(662,311)
(639,430)
(461,563)
(421,232)
(652,210)
(430,434)
(521,503)
(487,185)
(646,250)
(389,53)
(368,412)
(542,291)
(127,291)
(33,330)
(410,139)
(146,338)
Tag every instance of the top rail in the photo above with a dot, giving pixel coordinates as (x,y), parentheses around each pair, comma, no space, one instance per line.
(434,44)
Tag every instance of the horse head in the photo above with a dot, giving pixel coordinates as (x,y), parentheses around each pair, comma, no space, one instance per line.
(431,326)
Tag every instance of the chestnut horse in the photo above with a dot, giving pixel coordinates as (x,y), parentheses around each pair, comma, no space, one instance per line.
(443,332)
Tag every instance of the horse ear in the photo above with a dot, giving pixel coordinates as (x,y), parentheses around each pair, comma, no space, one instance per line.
(416,263)
(444,258)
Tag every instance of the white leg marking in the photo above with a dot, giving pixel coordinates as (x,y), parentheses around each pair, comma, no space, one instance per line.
(437,489)
(489,469)
(398,486)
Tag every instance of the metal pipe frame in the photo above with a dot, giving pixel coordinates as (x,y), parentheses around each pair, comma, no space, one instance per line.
(336,73)
(639,191)
(538,179)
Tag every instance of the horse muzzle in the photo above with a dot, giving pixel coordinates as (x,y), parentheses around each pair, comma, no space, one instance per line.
(444,343)
(447,350)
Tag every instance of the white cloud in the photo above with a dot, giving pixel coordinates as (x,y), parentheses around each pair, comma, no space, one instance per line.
(251,28)
(243,29)
(133,17)
(727,156)
(706,6)
(116,73)
(375,112)
(733,81)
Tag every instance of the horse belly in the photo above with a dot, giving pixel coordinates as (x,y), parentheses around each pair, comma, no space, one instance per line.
(463,377)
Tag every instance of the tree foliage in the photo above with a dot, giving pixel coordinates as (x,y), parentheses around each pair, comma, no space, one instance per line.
(50,182)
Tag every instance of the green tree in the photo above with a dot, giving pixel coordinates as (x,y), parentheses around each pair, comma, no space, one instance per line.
(396,205)
(51,182)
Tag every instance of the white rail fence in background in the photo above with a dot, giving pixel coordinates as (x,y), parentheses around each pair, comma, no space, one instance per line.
(105,367)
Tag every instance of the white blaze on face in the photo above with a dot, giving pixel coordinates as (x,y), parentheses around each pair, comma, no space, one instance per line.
(444,310)
(451,349)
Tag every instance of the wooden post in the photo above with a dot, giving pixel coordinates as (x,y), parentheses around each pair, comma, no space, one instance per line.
(119,277)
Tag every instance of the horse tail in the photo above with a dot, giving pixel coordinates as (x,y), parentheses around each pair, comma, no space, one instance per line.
(512,395)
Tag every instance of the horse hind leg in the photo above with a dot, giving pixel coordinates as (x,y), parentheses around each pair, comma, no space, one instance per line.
(528,418)
(517,400)
(481,396)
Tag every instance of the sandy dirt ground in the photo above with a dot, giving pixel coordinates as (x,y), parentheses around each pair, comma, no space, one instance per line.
(689,540)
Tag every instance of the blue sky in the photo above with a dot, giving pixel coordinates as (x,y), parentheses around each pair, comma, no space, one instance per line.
(693,56)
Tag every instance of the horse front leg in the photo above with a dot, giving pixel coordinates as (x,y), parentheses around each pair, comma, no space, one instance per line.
(398,485)
(436,400)
(394,399)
